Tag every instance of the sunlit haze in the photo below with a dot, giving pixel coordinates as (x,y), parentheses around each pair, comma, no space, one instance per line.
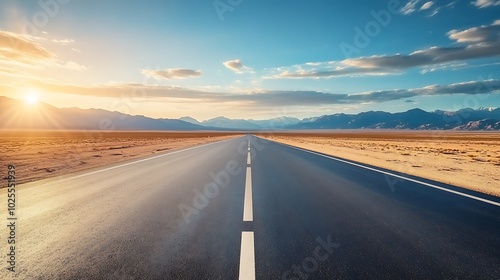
(31,97)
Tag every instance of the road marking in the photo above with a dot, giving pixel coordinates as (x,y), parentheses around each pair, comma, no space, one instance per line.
(247,206)
(399,176)
(247,256)
(134,162)
(247,252)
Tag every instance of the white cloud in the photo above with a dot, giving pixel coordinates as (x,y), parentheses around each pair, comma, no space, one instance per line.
(63,41)
(22,48)
(478,42)
(74,66)
(427,5)
(237,66)
(433,13)
(24,51)
(410,7)
(176,73)
(482,34)
(486,3)
(330,72)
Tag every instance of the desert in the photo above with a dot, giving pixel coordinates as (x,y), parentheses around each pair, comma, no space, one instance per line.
(469,160)
(43,154)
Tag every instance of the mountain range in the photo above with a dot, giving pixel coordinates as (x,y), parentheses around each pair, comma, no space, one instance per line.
(15,114)
(223,122)
(464,119)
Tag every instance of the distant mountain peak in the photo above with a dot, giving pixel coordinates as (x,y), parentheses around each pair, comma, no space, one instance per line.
(417,110)
(190,120)
(220,118)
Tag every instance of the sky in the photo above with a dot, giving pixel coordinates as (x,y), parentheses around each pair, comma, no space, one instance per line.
(251,59)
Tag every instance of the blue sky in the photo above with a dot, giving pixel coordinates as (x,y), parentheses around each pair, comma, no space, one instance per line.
(252,59)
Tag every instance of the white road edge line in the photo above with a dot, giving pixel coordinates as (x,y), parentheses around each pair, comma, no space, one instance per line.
(247,256)
(399,176)
(247,206)
(134,162)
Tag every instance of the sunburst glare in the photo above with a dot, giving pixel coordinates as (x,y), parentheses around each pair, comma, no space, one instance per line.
(31,97)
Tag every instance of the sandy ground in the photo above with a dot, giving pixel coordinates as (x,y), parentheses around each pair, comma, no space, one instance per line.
(466,159)
(42,154)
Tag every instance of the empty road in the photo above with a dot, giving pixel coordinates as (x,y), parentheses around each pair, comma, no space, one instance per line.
(248,208)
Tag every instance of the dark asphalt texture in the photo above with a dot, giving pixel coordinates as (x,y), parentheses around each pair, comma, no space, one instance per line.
(314,218)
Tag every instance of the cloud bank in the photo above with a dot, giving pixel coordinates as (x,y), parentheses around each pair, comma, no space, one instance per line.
(272,98)
(22,49)
(476,42)
(171,74)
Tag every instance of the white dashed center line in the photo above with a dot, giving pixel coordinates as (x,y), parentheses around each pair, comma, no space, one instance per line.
(247,256)
(247,207)
(247,253)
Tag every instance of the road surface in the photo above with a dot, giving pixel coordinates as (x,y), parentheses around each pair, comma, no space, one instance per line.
(248,208)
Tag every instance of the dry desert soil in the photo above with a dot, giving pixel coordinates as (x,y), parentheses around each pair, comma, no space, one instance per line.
(42,154)
(466,159)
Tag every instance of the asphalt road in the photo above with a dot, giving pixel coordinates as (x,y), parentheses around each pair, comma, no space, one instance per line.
(215,212)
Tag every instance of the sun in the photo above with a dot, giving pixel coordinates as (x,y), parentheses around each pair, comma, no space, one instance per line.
(31,97)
